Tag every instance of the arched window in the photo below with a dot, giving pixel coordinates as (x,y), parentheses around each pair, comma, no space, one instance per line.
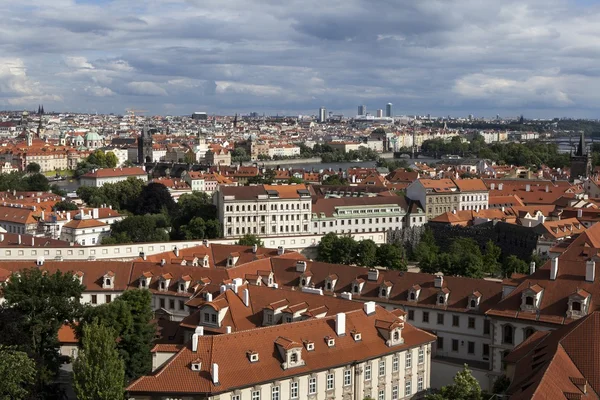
(107,282)
(303,282)
(412,295)
(328,285)
(473,303)
(529,332)
(441,300)
(576,306)
(355,288)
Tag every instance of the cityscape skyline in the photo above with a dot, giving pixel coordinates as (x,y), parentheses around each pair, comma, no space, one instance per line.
(451,58)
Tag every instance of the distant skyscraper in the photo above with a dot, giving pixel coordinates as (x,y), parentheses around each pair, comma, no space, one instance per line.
(388,110)
(322,114)
(362,110)
(379,113)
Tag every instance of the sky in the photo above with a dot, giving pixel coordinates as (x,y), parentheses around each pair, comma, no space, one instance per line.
(539,58)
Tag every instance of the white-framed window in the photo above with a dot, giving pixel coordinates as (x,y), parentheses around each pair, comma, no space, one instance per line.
(330,384)
(294,390)
(347,377)
(395,392)
(381,395)
(408,359)
(420,383)
(407,388)
(368,371)
(421,356)
(236,397)
(381,367)
(312,385)
(395,362)
(275,393)
(256,395)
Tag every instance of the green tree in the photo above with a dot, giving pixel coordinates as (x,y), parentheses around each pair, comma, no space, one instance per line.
(366,253)
(98,371)
(65,206)
(250,240)
(501,385)
(491,258)
(36,182)
(154,199)
(465,387)
(391,256)
(335,180)
(33,168)
(326,247)
(45,300)
(97,158)
(111,160)
(137,229)
(296,180)
(513,264)
(18,373)
(344,251)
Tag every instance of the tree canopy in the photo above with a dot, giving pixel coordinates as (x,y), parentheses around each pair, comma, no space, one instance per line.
(18,373)
(138,229)
(250,240)
(98,371)
(465,387)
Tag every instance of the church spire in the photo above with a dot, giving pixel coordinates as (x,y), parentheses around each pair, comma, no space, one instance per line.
(581,148)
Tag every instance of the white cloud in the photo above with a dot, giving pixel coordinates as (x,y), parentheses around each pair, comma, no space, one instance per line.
(145,89)
(99,91)
(78,62)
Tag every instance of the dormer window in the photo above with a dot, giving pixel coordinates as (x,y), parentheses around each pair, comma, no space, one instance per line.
(356,336)
(412,296)
(356,289)
(163,285)
(293,358)
(205,262)
(196,365)
(328,286)
(181,287)
(396,336)
(310,346)
(529,300)
(441,300)
(531,297)
(576,306)
(143,283)
(330,341)
(108,282)
(473,303)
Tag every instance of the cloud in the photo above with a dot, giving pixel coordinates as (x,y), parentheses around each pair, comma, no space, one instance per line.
(145,89)
(537,57)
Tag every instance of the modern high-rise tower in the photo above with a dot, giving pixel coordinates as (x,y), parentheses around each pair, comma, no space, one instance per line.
(388,110)
(362,110)
(322,114)
(379,113)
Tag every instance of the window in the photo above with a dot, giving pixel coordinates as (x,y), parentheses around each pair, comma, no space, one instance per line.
(407,388)
(454,344)
(395,392)
(529,300)
(395,361)
(381,367)
(256,395)
(294,390)
(425,316)
(312,386)
(420,383)
(507,334)
(473,303)
(236,397)
(330,385)
(440,319)
(421,359)
(486,327)
(171,304)
(471,347)
(471,323)
(529,332)
(181,305)
(108,298)
(347,377)
(486,350)
(408,363)
(455,320)
(275,393)
(368,371)
(213,318)
(94,299)
(576,306)
(411,315)
(440,342)
(381,395)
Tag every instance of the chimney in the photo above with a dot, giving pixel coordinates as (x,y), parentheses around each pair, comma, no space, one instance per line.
(554,269)
(42,216)
(32,241)
(454,211)
(280,250)
(143,255)
(590,270)
(1,237)
(531,267)
(209,297)
(254,248)
(300,266)
(228,329)
(373,274)
(205,243)
(81,214)
(199,331)
(19,239)
(163,262)
(95,213)
(528,188)
(246,297)
(579,213)
(340,324)
(369,307)
(547,189)
(215,374)
(176,251)
(438,281)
